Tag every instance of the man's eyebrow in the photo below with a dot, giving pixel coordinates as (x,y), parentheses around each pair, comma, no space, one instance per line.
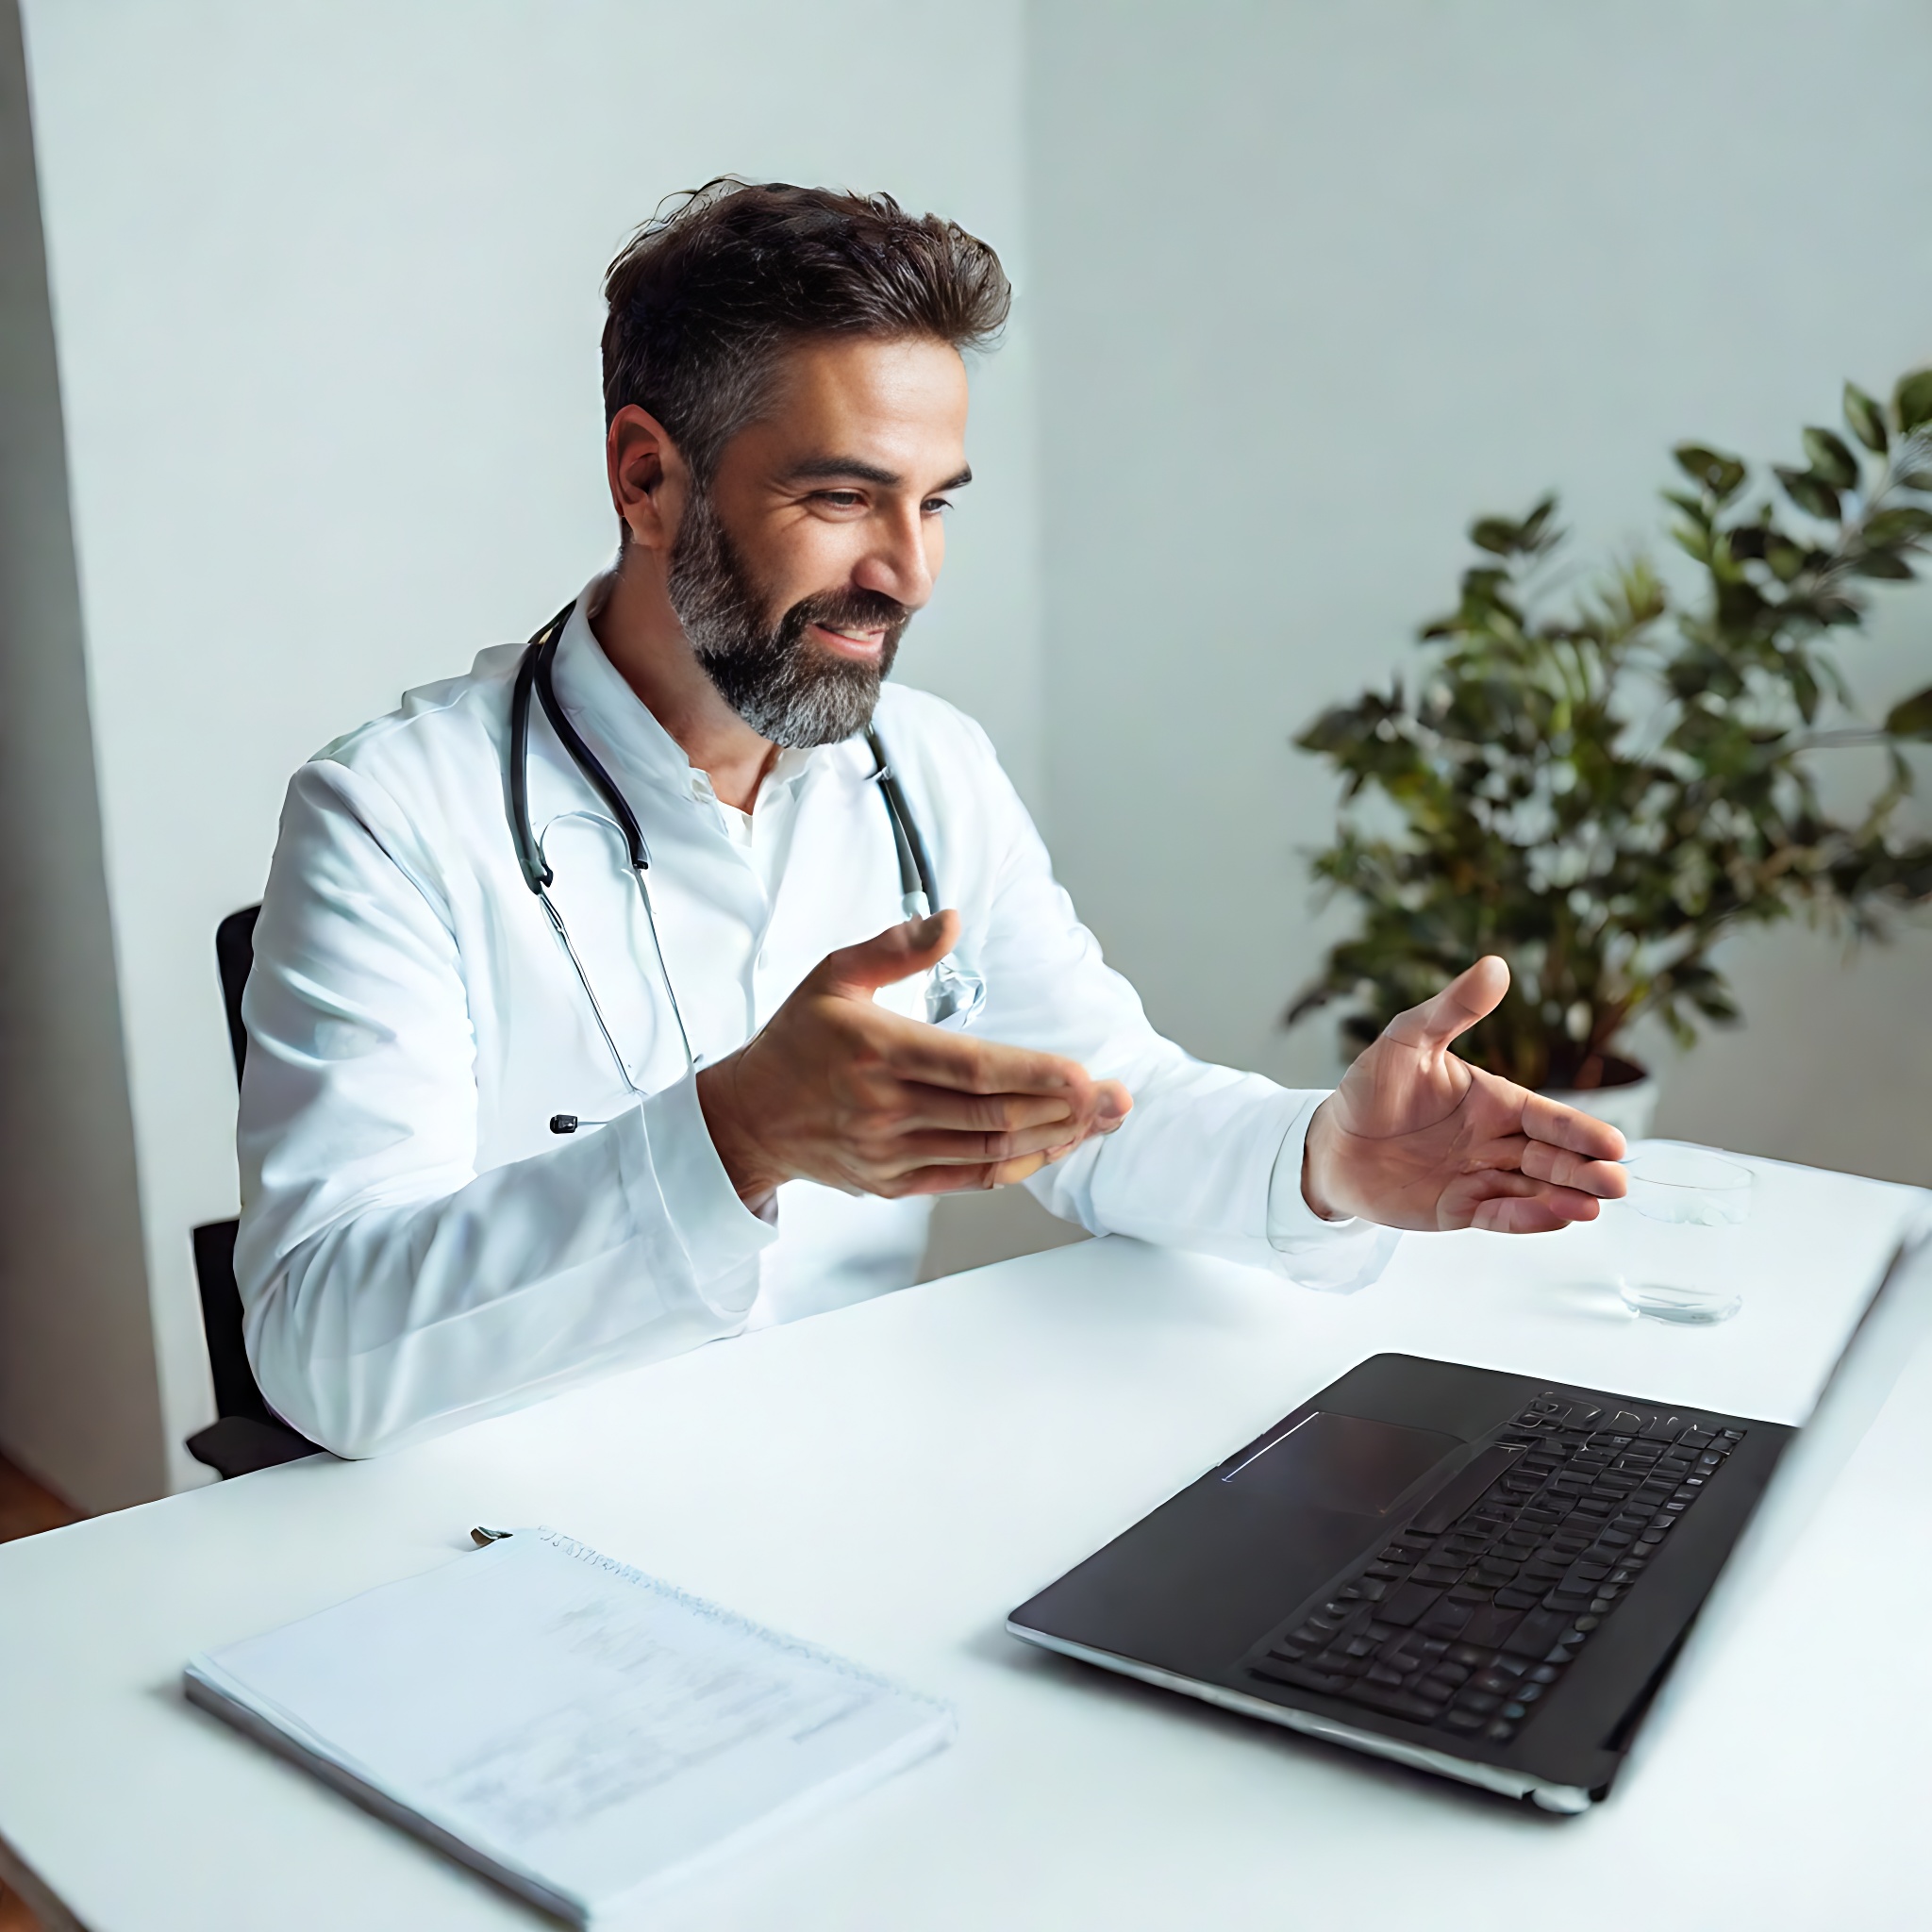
(831,468)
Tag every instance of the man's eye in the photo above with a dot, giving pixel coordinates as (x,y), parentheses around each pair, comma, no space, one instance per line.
(838,499)
(936,506)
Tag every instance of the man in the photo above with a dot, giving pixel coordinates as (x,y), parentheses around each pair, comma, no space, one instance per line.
(586,1025)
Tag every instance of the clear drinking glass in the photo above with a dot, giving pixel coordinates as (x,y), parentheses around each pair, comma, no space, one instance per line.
(1679,1252)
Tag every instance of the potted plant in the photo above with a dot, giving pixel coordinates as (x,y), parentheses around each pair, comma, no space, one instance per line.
(1602,787)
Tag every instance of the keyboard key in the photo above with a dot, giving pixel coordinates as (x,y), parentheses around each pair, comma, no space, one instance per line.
(1489,1627)
(1480,1702)
(1448,1674)
(1447,1619)
(1501,1730)
(1516,1600)
(1395,1703)
(1464,1720)
(1468,1655)
(1664,1428)
(1298,1678)
(1537,1632)
(1408,1603)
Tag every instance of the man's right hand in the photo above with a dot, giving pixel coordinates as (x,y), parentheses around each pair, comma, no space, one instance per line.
(839,1090)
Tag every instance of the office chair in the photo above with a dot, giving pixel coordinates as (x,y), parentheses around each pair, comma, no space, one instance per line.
(246,1434)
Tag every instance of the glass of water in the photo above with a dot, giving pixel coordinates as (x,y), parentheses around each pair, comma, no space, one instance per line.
(1679,1250)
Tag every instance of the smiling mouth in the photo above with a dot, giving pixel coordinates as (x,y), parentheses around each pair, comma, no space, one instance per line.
(866,644)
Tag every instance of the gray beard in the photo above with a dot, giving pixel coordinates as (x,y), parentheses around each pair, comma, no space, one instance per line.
(786,688)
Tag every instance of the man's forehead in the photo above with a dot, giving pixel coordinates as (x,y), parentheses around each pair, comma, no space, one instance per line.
(897,405)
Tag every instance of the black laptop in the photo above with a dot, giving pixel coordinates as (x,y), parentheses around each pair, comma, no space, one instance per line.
(1481,1574)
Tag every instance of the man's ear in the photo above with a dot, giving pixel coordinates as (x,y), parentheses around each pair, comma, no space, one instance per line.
(649,478)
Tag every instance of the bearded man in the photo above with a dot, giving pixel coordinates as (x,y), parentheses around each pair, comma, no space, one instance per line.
(588,1022)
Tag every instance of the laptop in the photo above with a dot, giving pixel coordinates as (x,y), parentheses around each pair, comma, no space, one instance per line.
(1481,1574)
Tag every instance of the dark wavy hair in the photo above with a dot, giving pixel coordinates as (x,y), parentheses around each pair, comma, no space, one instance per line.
(708,296)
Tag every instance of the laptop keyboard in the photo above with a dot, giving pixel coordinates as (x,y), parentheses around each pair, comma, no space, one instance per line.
(1471,1614)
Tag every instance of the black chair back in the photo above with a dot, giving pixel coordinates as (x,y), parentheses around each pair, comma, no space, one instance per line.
(247,1435)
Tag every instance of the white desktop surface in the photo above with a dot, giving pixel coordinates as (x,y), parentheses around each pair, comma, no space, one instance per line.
(889,1480)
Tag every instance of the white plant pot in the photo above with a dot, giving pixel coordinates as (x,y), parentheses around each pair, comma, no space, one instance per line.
(1631,1108)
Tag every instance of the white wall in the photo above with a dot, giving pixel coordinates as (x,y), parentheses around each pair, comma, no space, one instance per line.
(1315,286)
(78,1404)
(325,288)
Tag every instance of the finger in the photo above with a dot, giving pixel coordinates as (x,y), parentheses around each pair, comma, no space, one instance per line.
(1544,1119)
(1474,994)
(961,1180)
(909,1151)
(899,952)
(933,1058)
(927,1106)
(1542,1162)
(1530,1215)
(1515,1204)
(1603,1179)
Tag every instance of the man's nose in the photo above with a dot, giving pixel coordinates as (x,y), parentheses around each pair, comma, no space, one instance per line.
(898,564)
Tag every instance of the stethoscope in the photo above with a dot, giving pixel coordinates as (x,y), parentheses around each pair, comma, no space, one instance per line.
(953,995)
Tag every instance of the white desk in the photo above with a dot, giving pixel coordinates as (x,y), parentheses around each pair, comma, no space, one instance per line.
(891,1479)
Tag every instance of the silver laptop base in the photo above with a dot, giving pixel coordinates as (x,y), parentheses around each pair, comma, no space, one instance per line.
(1569,1799)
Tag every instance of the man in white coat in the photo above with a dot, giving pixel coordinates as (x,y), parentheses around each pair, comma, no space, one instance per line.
(586,1022)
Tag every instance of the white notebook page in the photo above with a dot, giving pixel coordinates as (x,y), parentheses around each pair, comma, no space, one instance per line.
(585,1731)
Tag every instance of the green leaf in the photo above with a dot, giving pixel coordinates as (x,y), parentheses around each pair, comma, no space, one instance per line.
(1866,418)
(1905,523)
(1535,533)
(1812,493)
(1711,469)
(1882,563)
(1914,479)
(1911,717)
(1911,401)
(1830,458)
(1496,534)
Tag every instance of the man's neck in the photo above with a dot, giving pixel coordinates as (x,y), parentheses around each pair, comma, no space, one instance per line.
(640,635)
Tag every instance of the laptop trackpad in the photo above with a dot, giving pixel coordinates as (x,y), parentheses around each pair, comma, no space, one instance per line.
(1342,1462)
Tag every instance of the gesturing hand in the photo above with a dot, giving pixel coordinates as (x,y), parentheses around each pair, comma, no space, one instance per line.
(1416,1138)
(837,1090)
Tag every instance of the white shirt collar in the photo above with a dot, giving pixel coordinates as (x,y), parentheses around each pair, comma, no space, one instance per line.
(621,727)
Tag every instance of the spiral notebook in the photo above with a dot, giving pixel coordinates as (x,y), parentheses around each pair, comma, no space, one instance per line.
(583,1733)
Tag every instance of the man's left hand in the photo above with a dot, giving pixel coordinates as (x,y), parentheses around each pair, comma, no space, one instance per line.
(1416,1138)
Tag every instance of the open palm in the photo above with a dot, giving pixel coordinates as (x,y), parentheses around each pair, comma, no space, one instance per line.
(1416,1138)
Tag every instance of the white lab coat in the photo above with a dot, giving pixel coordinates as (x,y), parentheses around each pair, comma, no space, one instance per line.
(417,1248)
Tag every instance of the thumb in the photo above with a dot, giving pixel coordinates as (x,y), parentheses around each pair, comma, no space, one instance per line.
(1474,994)
(897,952)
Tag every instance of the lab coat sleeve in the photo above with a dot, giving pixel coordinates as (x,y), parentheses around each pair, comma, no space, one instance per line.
(1210,1159)
(390,1290)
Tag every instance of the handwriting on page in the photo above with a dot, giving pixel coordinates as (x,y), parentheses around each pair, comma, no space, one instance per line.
(638,1707)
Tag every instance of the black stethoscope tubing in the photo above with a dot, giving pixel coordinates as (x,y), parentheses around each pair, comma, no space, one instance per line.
(534,679)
